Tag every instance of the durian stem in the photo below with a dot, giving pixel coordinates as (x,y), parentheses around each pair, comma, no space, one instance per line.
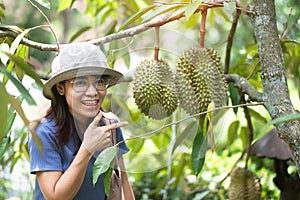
(202,27)
(156,45)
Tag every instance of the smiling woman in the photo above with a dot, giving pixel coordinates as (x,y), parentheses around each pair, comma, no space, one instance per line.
(74,128)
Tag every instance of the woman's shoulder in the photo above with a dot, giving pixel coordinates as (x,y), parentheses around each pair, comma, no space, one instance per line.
(46,125)
(45,130)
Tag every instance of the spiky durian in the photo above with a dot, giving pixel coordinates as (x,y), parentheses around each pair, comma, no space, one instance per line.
(244,185)
(200,80)
(153,89)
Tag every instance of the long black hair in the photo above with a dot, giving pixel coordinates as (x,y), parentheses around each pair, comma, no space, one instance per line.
(64,119)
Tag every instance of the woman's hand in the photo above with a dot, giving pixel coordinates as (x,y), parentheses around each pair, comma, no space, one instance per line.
(97,138)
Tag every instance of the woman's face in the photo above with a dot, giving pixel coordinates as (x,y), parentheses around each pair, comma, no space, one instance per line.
(82,96)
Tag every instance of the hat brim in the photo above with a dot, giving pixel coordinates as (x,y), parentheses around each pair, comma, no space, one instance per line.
(114,76)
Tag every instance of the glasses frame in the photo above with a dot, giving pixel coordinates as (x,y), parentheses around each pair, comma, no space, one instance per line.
(90,83)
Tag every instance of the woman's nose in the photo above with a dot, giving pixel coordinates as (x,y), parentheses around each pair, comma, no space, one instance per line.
(91,89)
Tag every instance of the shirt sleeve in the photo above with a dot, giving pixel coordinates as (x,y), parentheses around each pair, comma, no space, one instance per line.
(49,157)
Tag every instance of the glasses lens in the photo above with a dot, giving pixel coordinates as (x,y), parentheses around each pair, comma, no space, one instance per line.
(101,84)
(81,85)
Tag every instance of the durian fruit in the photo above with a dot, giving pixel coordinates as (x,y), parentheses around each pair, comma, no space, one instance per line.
(244,185)
(200,79)
(153,89)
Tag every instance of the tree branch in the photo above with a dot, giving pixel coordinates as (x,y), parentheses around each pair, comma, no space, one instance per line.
(156,22)
(245,87)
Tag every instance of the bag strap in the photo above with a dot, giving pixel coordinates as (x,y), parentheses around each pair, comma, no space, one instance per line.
(114,138)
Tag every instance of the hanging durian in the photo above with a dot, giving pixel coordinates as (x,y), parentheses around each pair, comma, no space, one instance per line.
(200,80)
(153,89)
(244,185)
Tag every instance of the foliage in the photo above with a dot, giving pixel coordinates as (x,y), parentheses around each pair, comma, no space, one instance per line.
(170,175)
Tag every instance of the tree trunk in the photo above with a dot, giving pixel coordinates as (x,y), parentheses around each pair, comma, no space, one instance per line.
(275,96)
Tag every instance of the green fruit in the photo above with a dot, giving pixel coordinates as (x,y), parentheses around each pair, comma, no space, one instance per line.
(244,185)
(153,89)
(200,80)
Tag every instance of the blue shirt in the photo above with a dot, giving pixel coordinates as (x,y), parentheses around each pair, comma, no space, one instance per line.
(58,158)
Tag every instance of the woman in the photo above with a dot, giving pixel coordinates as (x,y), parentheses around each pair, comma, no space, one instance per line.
(73,129)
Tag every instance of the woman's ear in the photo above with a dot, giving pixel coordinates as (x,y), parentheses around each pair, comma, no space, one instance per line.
(60,88)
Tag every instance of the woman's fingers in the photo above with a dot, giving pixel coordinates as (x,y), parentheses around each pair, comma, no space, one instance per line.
(97,119)
(116,125)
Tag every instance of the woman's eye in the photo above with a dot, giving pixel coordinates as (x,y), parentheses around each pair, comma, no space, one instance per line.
(100,81)
(80,82)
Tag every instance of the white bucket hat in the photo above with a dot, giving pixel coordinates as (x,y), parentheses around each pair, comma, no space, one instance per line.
(80,59)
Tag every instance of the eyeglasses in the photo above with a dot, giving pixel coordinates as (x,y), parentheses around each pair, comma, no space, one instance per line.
(81,85)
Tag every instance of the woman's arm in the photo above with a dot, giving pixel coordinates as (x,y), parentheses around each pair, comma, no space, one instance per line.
(57,185)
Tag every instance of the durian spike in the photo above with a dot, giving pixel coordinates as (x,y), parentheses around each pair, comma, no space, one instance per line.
(156,45)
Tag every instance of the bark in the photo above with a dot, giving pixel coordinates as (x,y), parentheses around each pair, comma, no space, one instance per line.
(275,96)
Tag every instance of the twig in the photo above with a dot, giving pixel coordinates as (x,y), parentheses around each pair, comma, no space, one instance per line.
(230,41)
(156,45)
(250,130)
(202,27)
(287,30)
(186,118)
(50,26)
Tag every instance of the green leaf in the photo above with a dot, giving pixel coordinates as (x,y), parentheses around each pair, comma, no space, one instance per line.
(191,8)
(3,110)
(44,3)
(13,28)
(11,118)
(64,4)
(233,131)
(104,14)
(29,70)
(4,143)
(244,136)
(244,3)
(25,153)
(17,106)
(20,87)
(2,6)
(22,52)
(161,10)
(135,16)
(4,47)
(17,41)
(103,162)
(107,179)
(110,28)
(234,96)
(257,116)
(136,145)
(230,9)
(190,129)
(79,32)
(14,162)
(199,151)
(126,59)
(286,118)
